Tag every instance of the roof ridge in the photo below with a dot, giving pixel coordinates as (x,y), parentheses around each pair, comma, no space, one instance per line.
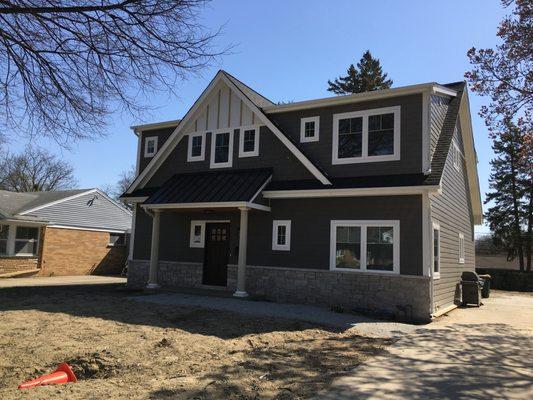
(247,86)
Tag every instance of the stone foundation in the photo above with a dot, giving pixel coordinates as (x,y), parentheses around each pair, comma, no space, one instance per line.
(407,296)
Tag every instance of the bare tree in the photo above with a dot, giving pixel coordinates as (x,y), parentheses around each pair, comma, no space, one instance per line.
(35,170)
(123,183)
(66,65)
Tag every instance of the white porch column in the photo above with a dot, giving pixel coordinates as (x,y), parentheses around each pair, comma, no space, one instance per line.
(243,243)
(154,252)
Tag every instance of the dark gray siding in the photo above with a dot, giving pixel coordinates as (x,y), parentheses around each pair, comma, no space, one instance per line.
(272,154)
(453,211)
(91,210)
(162,135)
(310,231)
(321,151)
(438,109)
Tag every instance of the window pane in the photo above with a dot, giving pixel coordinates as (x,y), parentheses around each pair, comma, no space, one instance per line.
(3,246)
(309,130)
(381,134)
(350,137)
(436,249)
(380,248)
(282,235)
(196,150)
(348,247)
(222,147)
(4,231)
(24,232)
(249,140)
(25,247)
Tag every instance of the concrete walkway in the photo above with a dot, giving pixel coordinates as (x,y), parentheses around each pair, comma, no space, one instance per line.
(60,281)
(313,314)
(484,353)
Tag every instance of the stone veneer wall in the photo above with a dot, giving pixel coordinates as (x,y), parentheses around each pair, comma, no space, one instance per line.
(402,295)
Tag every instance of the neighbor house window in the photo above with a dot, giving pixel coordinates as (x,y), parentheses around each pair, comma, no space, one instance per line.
(281,235)
(197,234)
(196,150)
(222,149)
(436,251)
(150,146)
(249,142)
(26,241)
(365,246)
(309,129)
(4,236)
(117,239)
(461,248)
(365,136)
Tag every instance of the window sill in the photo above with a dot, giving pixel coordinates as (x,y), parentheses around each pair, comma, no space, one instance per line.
(436,276)
(368,159)
(364,271)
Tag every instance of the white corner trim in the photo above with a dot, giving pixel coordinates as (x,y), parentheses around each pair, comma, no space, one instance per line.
(426,236)
(365,114)
(316,193)
(364,224)
(57,201)
(201,157)
(316,136)
(275,225)
(226,164)
(147,140)
(255,151)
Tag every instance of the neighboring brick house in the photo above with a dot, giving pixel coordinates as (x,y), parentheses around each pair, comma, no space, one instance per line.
(71,232)
(365,201)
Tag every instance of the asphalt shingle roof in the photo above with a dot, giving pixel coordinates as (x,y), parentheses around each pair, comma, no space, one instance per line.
(13,203)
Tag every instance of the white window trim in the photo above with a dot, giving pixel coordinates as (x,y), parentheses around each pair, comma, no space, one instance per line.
(201,157)
(150,139)
(287,224)
(229,163)
(363,224)
(203,224)
(364,154)
(255,151)
(316,136)
(461,248)
(436,275)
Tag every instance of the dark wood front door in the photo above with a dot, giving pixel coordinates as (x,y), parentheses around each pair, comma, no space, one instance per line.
(216,254)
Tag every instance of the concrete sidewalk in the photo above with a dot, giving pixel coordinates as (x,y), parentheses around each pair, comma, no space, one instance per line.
(60,281)
(319,315)
(473,353)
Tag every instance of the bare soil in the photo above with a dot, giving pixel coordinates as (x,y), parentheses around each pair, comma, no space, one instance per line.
(130,350)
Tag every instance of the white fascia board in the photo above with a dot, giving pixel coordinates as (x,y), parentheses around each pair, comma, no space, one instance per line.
(84,228)
(316,193)
(359,97)
(57,202)
(225,204)
(138,129)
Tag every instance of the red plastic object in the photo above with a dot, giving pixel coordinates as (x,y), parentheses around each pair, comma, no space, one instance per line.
(63,374)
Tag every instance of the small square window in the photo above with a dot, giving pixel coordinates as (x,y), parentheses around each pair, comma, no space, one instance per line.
(309,129)
(150,146)
(281,235)
(197,234)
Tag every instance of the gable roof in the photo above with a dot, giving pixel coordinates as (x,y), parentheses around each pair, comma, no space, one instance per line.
(13,203)
(254,101)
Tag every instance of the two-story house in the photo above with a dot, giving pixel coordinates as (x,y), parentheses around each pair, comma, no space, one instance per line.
(365,201)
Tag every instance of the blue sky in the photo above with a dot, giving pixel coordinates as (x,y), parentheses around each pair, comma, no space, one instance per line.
(287,50)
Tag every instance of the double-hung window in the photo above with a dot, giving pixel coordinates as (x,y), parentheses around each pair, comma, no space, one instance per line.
(249,141)
(365,246)
(366,136)
(196,149)
(436,251)
(309,129)
(222,149)
(150,146)
(281,235)
(26,241)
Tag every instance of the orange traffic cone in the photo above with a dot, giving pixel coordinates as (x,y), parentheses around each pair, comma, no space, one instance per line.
(62,374)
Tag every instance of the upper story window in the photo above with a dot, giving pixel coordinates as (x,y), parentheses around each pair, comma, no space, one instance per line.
(150,146)
(249,141)
(309,129)
(222,148)
(196,149)
(366,136)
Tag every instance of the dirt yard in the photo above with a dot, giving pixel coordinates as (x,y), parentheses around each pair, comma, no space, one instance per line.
(129,350)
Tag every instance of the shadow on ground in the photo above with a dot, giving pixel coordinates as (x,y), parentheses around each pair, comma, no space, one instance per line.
(475,361)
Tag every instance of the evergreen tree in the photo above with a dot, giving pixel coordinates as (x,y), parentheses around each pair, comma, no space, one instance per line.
(510,184)
(366,77)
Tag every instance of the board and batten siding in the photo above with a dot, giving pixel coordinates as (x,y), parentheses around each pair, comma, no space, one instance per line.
(438,110)
(90,210)
(453,211)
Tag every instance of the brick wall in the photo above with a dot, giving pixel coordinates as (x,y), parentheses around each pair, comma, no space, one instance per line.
(79,252)
(15,264)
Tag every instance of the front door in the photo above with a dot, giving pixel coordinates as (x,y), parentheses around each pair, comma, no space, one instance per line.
(216,254)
